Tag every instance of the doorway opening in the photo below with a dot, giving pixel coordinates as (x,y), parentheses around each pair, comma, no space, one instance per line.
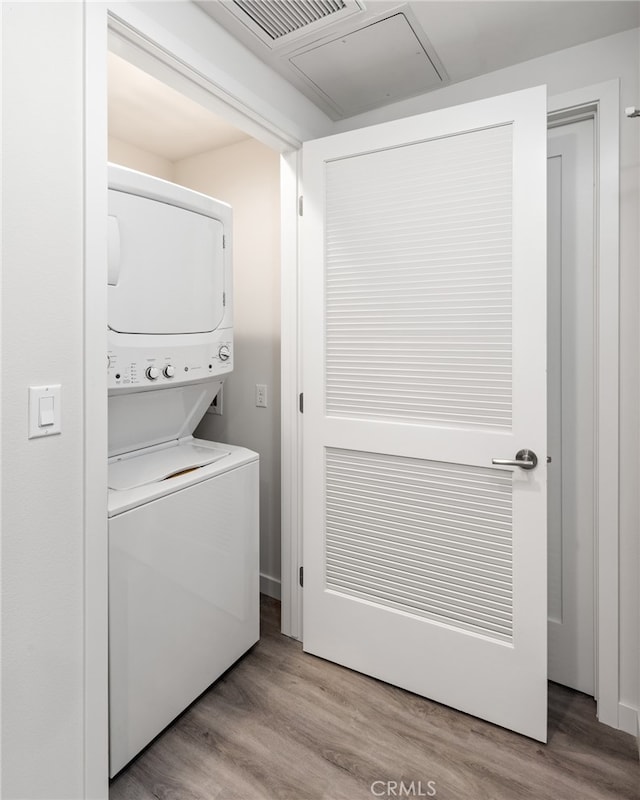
(157,130)
(571,374)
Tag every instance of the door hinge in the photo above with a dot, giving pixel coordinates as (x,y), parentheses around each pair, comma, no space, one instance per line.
(301,402)
(301,576)
(224,242)
(300,206)
(224,299)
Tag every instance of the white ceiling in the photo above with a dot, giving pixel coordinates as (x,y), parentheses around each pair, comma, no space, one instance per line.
(147,113)
(472,38)
(467,38)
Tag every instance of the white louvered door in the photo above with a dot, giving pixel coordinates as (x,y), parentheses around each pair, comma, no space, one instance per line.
(424,352)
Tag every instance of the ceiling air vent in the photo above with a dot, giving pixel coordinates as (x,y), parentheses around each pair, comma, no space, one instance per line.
(278,22)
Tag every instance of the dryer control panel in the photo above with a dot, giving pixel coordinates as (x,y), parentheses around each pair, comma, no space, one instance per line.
(152,366)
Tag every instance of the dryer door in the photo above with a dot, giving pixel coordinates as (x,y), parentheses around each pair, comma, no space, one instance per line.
(166,270)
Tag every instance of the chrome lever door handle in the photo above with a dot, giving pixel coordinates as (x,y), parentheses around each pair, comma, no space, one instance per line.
(525,459)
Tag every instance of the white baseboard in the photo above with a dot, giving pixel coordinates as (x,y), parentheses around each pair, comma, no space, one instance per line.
(628,719)
(270,586)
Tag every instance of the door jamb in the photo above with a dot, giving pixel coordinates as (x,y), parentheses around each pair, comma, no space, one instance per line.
(291,386)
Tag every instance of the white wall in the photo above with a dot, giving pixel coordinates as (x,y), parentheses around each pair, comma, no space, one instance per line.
(41,519)
(638,266)
(128,155)
(612,57)
(247,176)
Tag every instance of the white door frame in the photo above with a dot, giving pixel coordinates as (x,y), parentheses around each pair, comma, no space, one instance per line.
(178,70)
(291,387)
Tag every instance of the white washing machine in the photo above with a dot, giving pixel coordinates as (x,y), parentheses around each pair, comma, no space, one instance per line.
(183,512)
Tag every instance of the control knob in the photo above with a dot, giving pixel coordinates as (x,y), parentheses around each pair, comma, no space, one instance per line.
(224,353)
(153,373)
(169,371)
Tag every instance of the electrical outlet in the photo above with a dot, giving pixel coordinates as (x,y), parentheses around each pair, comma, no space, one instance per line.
(261,395)
(216,404)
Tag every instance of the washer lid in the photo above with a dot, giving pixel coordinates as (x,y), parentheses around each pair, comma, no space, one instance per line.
(170,461)
(166,267)
(122,501)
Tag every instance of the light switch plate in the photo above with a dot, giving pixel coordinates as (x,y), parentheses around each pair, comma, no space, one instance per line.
(36,393)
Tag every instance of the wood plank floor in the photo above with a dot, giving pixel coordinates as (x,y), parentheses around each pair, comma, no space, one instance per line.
(283,725)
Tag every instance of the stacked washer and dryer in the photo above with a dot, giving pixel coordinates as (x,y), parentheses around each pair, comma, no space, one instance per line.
(183,512)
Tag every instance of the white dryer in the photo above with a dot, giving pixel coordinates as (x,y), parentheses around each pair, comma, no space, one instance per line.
(183,512)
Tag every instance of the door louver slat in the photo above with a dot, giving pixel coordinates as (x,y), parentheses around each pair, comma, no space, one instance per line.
(388,546)
(418,282)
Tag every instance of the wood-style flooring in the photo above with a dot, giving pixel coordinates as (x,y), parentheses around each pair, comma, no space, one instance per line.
(283,725)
